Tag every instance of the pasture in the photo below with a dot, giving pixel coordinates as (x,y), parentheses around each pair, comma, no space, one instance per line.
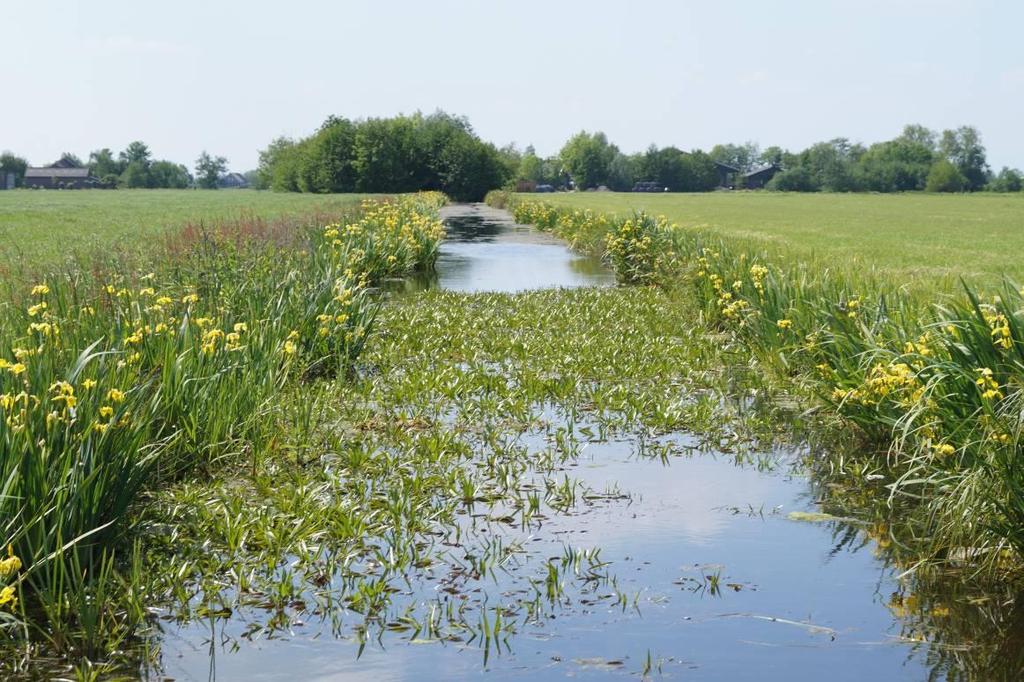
(926,237)
(43,227)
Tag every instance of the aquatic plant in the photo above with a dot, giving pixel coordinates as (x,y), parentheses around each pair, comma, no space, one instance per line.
(113,382)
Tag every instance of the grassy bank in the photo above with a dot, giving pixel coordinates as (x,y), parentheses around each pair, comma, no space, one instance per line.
(115,380)
(937,238)
(38,228)
(932,385)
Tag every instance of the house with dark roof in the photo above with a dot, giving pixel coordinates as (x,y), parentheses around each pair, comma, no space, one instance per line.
(60,178)
(759,177)
(232,181)
(64,174)
(726,174)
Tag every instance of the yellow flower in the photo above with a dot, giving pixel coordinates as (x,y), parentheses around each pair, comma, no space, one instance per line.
(290,348)
(241,327)
(147,291)
(36,309)
(115,396)
(88,383)
(190,298)
(106,411)
(17,368)
(164,300)
(10,565)
(944,449)
(40,289)
(7,596)
(784,324)
(100,428)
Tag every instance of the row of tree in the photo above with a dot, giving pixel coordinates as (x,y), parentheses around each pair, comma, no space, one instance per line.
(400,154)
(589,160)
(134,167)
(918,159)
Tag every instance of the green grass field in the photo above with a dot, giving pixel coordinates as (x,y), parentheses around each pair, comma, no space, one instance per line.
(42,227)
(920,237)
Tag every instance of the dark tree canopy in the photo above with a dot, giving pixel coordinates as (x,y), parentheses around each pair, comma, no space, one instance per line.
(399,154)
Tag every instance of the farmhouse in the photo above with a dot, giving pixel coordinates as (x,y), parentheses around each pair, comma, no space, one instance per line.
(232,181)
(726,174)
(759,177)
(61,175)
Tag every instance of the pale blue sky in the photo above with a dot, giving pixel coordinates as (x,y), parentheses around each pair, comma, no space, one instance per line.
(230,76)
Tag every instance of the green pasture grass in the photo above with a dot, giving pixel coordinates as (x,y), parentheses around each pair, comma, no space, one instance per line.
(916,238)
(42,227)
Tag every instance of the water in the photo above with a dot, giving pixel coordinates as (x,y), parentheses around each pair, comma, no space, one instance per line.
(485,250)
(719,581)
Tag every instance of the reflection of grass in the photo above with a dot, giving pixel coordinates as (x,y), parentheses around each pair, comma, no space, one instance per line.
(912,236)
(45,226)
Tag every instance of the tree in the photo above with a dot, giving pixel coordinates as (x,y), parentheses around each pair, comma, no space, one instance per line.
(622,172)
(946,177)
(328,162)
(209,169)
(135,175)
(70,160)
(1008,180)
(136,152)
(169,174)
(11,163)
(104,166)
(899,165)
(278,166)
(795,179)
(919,134)
(531,167)
(742,156)
(587,158)
(963,148)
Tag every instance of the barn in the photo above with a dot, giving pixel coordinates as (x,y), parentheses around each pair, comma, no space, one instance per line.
(759,177)
(61,175)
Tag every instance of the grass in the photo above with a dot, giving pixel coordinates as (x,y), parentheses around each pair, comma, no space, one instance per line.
(932,238)
(932,384)
(114,381)
(45,227)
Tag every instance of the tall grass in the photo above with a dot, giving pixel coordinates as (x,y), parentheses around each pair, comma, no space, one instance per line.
(113,380)
(933,385)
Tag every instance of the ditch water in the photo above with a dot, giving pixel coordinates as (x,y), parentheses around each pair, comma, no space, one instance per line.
(708,568)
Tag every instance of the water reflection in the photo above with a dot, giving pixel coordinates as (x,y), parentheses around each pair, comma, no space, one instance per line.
(486,251)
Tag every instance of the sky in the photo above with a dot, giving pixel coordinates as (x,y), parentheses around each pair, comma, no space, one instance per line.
(228,76)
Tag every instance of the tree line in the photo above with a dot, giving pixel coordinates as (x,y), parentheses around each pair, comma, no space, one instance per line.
(919,159)
(442,152)
(400,154)
(133,167)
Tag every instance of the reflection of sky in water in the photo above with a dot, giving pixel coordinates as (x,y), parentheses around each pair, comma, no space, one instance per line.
(514,267)
(481,254)
(677,526)
(673,528)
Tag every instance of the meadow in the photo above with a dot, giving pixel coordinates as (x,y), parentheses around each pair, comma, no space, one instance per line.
(927,238)
(39,228)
